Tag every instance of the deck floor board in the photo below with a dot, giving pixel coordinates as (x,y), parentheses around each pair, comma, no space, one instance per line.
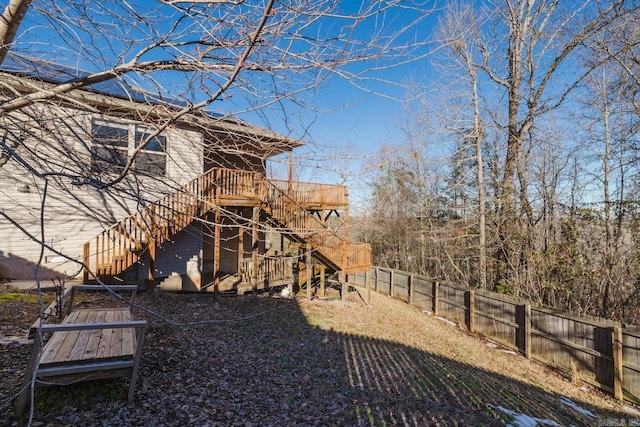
(66,347)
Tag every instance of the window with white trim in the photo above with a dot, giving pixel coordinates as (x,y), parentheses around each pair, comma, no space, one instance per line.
(112,142)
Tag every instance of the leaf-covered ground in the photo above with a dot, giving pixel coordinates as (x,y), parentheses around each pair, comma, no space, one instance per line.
(276,362)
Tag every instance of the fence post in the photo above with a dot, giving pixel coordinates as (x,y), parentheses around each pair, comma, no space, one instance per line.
(367,284)
(377,279)
(523,337)
(617,363)
(470,297)
(434,296)
(410,290)
(391,280)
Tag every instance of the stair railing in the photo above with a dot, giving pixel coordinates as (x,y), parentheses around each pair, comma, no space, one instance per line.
(120,246)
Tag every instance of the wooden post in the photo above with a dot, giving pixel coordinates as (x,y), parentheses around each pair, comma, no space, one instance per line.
(470,303)
(152,263)
(410,290)
(254,250)
(240,251)
(345,257)
(377,282)
(216,186)
(25,393)
(322,273)
(309,270)
(344,286)
(102,251)
(617,363)
(290,183)
(527,330)
(434,296)
(367,284)
(523,338)
(216,252)
(391,280)
(85,260)
(97,267)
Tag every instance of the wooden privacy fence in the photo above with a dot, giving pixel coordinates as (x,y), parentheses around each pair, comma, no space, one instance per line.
(600,352)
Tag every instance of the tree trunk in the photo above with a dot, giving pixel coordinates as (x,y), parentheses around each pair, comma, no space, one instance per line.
(12,17)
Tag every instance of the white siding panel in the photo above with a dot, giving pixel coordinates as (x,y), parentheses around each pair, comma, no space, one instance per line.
(186,155)
(181,255)
(60,143)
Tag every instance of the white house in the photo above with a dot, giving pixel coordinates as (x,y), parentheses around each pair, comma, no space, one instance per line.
(195,205)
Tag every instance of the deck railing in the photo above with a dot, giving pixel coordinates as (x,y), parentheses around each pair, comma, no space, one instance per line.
(270,269)
(120,246)
(314,194)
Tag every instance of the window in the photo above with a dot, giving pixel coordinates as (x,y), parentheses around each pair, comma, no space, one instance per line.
(152,158)
(109,147)
(111,143)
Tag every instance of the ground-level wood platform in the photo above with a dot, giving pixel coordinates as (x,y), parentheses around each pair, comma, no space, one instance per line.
(88,344)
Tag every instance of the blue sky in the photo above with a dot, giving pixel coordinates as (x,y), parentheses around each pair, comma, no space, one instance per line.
(353,122)
(343,120)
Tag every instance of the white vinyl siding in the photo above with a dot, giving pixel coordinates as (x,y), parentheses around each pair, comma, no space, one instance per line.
(179,254)
(60,144)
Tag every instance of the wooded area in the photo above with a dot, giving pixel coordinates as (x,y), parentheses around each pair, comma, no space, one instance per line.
(519,170)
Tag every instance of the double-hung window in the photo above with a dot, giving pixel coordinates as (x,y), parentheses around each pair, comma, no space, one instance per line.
(112,143)
(152,158)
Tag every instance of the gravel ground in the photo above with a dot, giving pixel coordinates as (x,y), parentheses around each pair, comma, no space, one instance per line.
(273,362)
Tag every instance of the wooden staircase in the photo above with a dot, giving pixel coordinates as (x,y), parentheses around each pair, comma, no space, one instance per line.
(120,246)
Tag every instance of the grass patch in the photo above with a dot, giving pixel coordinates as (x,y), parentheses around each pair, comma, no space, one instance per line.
(7,297)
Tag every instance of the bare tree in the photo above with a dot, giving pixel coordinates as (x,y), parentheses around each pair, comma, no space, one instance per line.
(184,58)
(540,40)
(458,28)
(10,23)
(243,56)
(523,48)
(610,125)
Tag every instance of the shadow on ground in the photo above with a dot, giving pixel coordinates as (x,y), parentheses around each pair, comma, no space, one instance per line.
(272,368)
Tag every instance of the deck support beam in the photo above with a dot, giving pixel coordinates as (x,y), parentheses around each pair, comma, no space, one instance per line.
(240,251)
(309,269)
(323,269)
(216,252)
(344,285)
(254,250)
(152,263)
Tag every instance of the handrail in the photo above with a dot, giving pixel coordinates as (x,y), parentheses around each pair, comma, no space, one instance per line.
(293,217)
(119,246)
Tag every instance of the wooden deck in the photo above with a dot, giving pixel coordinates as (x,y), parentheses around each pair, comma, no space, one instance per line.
(88,344)
(91,344)
(299,209)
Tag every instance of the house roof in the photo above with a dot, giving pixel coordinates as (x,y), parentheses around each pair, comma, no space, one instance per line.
(118,94)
